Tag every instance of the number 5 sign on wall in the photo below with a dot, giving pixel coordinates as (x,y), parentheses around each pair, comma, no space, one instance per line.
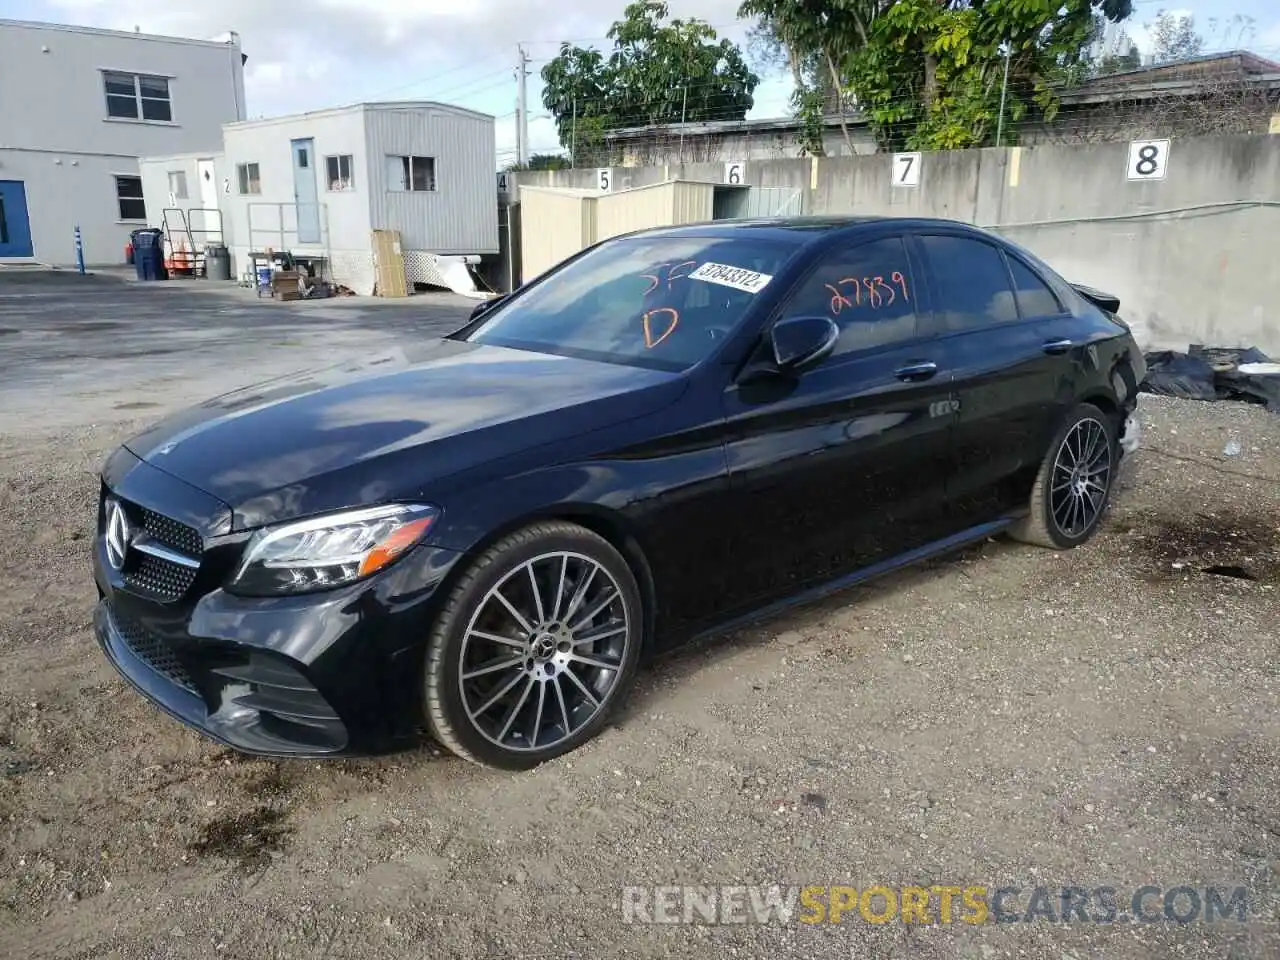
(906,170)
(604,179)
(1148,159)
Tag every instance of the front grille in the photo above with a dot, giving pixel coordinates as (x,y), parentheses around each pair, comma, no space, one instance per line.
(157,577)
(161,578)
(172,533)
(153,651)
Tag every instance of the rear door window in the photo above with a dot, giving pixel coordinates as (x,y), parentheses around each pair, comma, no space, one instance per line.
(867,289)
(973,284)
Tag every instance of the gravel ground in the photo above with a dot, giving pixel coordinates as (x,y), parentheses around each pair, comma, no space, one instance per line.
(1010,716)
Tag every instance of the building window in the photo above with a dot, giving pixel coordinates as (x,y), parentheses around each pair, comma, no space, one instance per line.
(178,184)
(338,171)
(247,177)
(129,198)
(411,173)
(133,96)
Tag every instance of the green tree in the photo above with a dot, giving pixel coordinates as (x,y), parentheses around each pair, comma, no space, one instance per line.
(1174,37)
(542,161)
(660,70)
(1115,61)
(814,39)
(929,73)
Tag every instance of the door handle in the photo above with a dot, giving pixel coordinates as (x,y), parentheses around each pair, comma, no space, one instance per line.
(1057,346)
(922,370)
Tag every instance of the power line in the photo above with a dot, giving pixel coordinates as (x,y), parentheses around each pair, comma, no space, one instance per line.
(422,80)
(736,25)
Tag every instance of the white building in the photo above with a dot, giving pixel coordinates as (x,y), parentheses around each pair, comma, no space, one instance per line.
(79,107)
(316,185)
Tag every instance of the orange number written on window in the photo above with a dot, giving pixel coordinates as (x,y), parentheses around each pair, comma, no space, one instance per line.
(847,292)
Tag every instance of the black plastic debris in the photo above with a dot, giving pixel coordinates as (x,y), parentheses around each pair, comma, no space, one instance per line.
(1174,374)
(1212,373)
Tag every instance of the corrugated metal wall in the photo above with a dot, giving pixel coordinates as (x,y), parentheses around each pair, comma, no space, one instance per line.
(461,214)
(691,202)
(660,205)
(554,225)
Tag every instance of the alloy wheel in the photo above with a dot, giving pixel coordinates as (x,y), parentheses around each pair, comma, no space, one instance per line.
(543,650)
(1081,478)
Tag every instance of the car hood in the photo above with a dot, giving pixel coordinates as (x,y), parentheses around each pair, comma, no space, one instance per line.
(386,427)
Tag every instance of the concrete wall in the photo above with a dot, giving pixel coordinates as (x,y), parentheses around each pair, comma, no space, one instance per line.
(666,148)
(56,137)
(1192,256)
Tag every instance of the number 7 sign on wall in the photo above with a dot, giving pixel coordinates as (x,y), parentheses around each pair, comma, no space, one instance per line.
(906,170)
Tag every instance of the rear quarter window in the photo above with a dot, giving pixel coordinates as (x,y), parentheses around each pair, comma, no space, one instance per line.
(1035,298)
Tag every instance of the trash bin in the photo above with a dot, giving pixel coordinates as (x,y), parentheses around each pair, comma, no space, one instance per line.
(148,254)
(131,246)
(217,262)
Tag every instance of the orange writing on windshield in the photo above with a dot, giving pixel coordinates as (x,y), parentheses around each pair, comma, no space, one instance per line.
(672,321)
(675,273)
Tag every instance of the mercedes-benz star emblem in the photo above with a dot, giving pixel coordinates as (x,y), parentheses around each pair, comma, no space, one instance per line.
(119,534)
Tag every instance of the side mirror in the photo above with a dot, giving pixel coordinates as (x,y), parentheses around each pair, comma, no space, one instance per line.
(484,306)
(801,342)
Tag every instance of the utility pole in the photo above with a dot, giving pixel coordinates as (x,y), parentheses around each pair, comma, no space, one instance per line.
(684,111)
(573,136)
(522,106)
(1008,52)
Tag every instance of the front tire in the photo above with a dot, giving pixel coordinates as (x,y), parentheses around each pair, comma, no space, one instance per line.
(1074,484)
(535,647)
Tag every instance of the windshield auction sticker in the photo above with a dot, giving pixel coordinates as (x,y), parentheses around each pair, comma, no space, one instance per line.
(735,277)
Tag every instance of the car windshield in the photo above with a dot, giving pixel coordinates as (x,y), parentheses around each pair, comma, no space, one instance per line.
(662,302)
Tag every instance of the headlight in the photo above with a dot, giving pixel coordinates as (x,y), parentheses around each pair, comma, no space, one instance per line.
(329,551)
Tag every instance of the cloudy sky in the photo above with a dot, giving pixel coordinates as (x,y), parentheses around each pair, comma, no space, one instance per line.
(322,53)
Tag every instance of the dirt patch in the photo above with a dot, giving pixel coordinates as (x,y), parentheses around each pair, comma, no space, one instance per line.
(1232,545)
(249,839)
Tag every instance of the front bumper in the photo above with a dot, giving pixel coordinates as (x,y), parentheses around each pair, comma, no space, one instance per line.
(336,673)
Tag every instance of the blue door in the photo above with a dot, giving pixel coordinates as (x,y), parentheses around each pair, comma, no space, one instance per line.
(304,191)
(15,230)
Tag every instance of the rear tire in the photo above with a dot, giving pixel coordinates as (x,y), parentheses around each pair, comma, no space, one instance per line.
(1073,487)
(535,647)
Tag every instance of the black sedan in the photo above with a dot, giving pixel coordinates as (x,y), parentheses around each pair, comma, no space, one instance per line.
(669,433)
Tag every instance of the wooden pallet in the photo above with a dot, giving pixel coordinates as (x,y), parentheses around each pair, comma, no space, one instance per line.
(388,265)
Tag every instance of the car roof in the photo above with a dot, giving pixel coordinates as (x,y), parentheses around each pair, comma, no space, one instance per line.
(800,231)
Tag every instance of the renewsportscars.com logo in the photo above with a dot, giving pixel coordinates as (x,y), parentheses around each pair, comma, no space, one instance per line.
(937,904)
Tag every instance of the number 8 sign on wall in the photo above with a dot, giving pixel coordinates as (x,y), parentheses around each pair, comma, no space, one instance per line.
(1148,159)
